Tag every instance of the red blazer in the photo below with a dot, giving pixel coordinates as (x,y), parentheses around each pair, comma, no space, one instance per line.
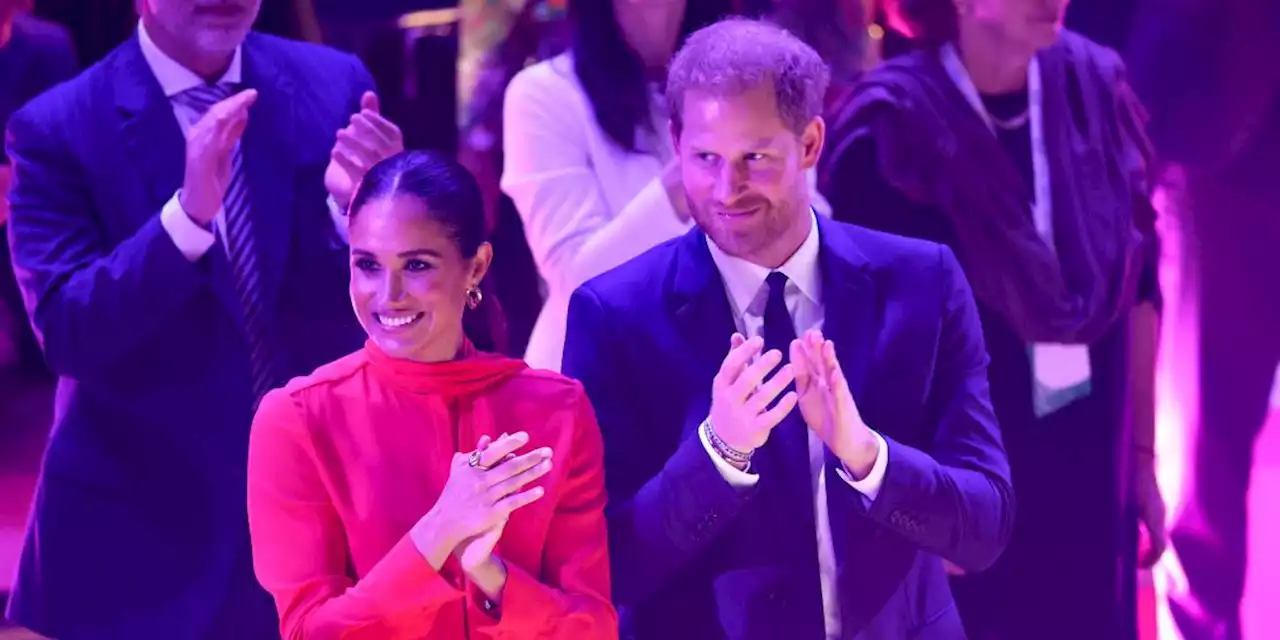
(343,462)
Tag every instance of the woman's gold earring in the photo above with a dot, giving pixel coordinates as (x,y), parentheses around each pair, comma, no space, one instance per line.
(474,297)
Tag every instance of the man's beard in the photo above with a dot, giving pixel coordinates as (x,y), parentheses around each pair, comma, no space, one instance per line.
(748,240)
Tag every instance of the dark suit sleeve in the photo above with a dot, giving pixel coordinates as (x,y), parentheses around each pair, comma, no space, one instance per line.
(955,499)
(90,303)
(664,508)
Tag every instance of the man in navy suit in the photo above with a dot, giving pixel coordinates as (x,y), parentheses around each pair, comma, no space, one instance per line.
(740,508)
(178,232)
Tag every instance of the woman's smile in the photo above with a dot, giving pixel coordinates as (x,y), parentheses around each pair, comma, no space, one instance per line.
(397,320)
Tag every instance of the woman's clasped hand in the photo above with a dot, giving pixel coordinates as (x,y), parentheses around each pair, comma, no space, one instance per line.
(484,487)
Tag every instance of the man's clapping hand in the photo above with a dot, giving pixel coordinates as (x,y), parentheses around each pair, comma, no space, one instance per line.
(366,141)
(741,395)
(827,404)
(210,144)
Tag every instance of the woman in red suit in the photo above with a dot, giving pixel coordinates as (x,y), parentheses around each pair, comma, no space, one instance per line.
(421,487)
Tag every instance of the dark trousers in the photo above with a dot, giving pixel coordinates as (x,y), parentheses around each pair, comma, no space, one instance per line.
(1227,361)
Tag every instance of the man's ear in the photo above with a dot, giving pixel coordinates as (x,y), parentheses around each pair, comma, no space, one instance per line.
(811,140)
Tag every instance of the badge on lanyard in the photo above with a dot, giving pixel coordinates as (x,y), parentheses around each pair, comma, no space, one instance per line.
(1061,372)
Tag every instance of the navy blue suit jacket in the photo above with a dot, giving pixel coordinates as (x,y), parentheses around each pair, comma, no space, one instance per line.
(646,340)
(139,527)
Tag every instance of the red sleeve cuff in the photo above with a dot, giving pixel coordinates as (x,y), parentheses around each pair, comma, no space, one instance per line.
(408,585)
(526,604)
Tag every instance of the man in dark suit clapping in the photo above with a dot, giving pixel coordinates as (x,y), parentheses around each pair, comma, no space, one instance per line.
(740,509)
(178,230)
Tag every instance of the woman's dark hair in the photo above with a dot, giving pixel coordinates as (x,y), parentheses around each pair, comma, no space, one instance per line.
(933,22)
(611,73)
(452,200)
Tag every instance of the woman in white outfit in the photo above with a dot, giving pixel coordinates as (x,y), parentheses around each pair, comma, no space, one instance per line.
(587,154)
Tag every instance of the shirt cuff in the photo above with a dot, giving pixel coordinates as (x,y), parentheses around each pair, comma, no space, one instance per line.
(869,486)
(339,217)
(736,478)
(192,240)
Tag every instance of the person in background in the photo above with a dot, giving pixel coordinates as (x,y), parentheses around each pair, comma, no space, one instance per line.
(737,508)
(537,31)
(837,30)
(586,156)
(34,55)
(1022,147)
(853,36)
(422,487)
(1207,70)
(177,227)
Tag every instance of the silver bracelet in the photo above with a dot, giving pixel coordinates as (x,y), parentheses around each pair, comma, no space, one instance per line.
(723,449)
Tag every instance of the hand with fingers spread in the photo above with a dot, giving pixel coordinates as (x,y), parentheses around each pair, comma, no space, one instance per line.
(741,418)
(483,488)
(828,406)
(366,141)
(211,143)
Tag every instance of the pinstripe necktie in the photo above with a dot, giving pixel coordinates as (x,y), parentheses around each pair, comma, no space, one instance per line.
(241,250)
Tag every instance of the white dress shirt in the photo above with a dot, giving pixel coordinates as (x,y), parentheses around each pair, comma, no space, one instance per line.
(190,238)
(748,293)
(587,204)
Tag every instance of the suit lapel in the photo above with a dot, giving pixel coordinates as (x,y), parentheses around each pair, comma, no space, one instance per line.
(152,137)
(850,301)
(269,155)
(703,316)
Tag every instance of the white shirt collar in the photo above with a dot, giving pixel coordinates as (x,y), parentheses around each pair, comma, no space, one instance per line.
(175,78)
(745,281)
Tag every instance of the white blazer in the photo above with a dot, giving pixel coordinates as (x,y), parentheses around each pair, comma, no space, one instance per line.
(587,205)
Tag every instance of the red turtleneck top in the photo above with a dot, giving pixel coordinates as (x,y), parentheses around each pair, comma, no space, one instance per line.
(342,463)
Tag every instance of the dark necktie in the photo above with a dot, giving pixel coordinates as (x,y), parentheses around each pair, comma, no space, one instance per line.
(785,478)
(241,250)
(779,328)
